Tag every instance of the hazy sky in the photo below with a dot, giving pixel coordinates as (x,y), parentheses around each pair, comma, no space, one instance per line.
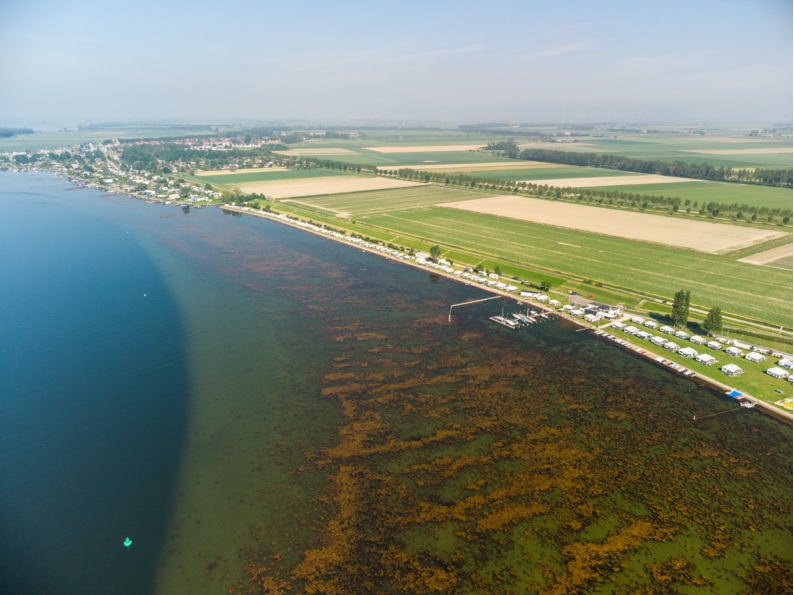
(528,61)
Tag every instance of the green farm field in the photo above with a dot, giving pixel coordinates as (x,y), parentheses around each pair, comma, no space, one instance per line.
(761,293)
(719,192)
(381,201)
(681,148)
(547,173)
(266,176)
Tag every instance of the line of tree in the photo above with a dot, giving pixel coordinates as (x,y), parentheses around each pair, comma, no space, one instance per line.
(599,196)
(701,171)
(9,132)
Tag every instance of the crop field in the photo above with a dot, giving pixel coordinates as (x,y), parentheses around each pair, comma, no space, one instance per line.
(548,172)
(673,231)
(291,188)
(758,292)
(381,201)
(743,152)
(235,179)
(718,192)
(622,180)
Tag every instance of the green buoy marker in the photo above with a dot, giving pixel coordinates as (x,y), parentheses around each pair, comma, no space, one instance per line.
(127,542)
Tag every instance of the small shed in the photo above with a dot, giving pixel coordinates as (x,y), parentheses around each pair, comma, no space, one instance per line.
(731,370)
(777,373)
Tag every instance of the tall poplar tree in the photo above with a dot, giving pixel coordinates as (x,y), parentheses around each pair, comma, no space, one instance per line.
(680,313)
(713,321)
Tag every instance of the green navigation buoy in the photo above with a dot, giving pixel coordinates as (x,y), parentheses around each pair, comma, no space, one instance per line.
(127,542)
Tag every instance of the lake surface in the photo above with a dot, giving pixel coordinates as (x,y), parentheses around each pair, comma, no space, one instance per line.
(258,408)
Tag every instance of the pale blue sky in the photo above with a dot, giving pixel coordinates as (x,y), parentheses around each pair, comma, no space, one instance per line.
(565,61)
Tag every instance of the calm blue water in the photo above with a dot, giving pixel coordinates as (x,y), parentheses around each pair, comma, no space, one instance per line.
(93,395)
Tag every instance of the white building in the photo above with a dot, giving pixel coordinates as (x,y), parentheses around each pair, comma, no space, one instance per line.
(682,335)
(706,359)
(731,370)
(733,351)
(714,345)
(666,329)
(784,363)
(671,346)
(698,340)
(687,352)
(755,357)
(777,373)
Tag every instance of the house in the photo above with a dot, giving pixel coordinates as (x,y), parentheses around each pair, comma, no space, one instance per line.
(687,352)
(777,373)
(714,345)
(755,357)
(733,351)
(731,370)
(706,359)
(666,329)
(698,340)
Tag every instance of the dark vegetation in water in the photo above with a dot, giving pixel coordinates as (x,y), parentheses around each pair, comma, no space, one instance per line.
(472,459)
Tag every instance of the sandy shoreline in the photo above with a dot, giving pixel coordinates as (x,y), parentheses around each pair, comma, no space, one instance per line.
(768,408)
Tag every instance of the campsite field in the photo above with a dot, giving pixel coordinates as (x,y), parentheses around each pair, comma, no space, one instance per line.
(762,293)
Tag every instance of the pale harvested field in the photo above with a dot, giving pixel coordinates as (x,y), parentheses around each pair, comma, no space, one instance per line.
(696,235)
(316,151)
(424,148)
(764,151)
(244,170)
(322,185)
(769,255)
(627,180)
(469,167)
